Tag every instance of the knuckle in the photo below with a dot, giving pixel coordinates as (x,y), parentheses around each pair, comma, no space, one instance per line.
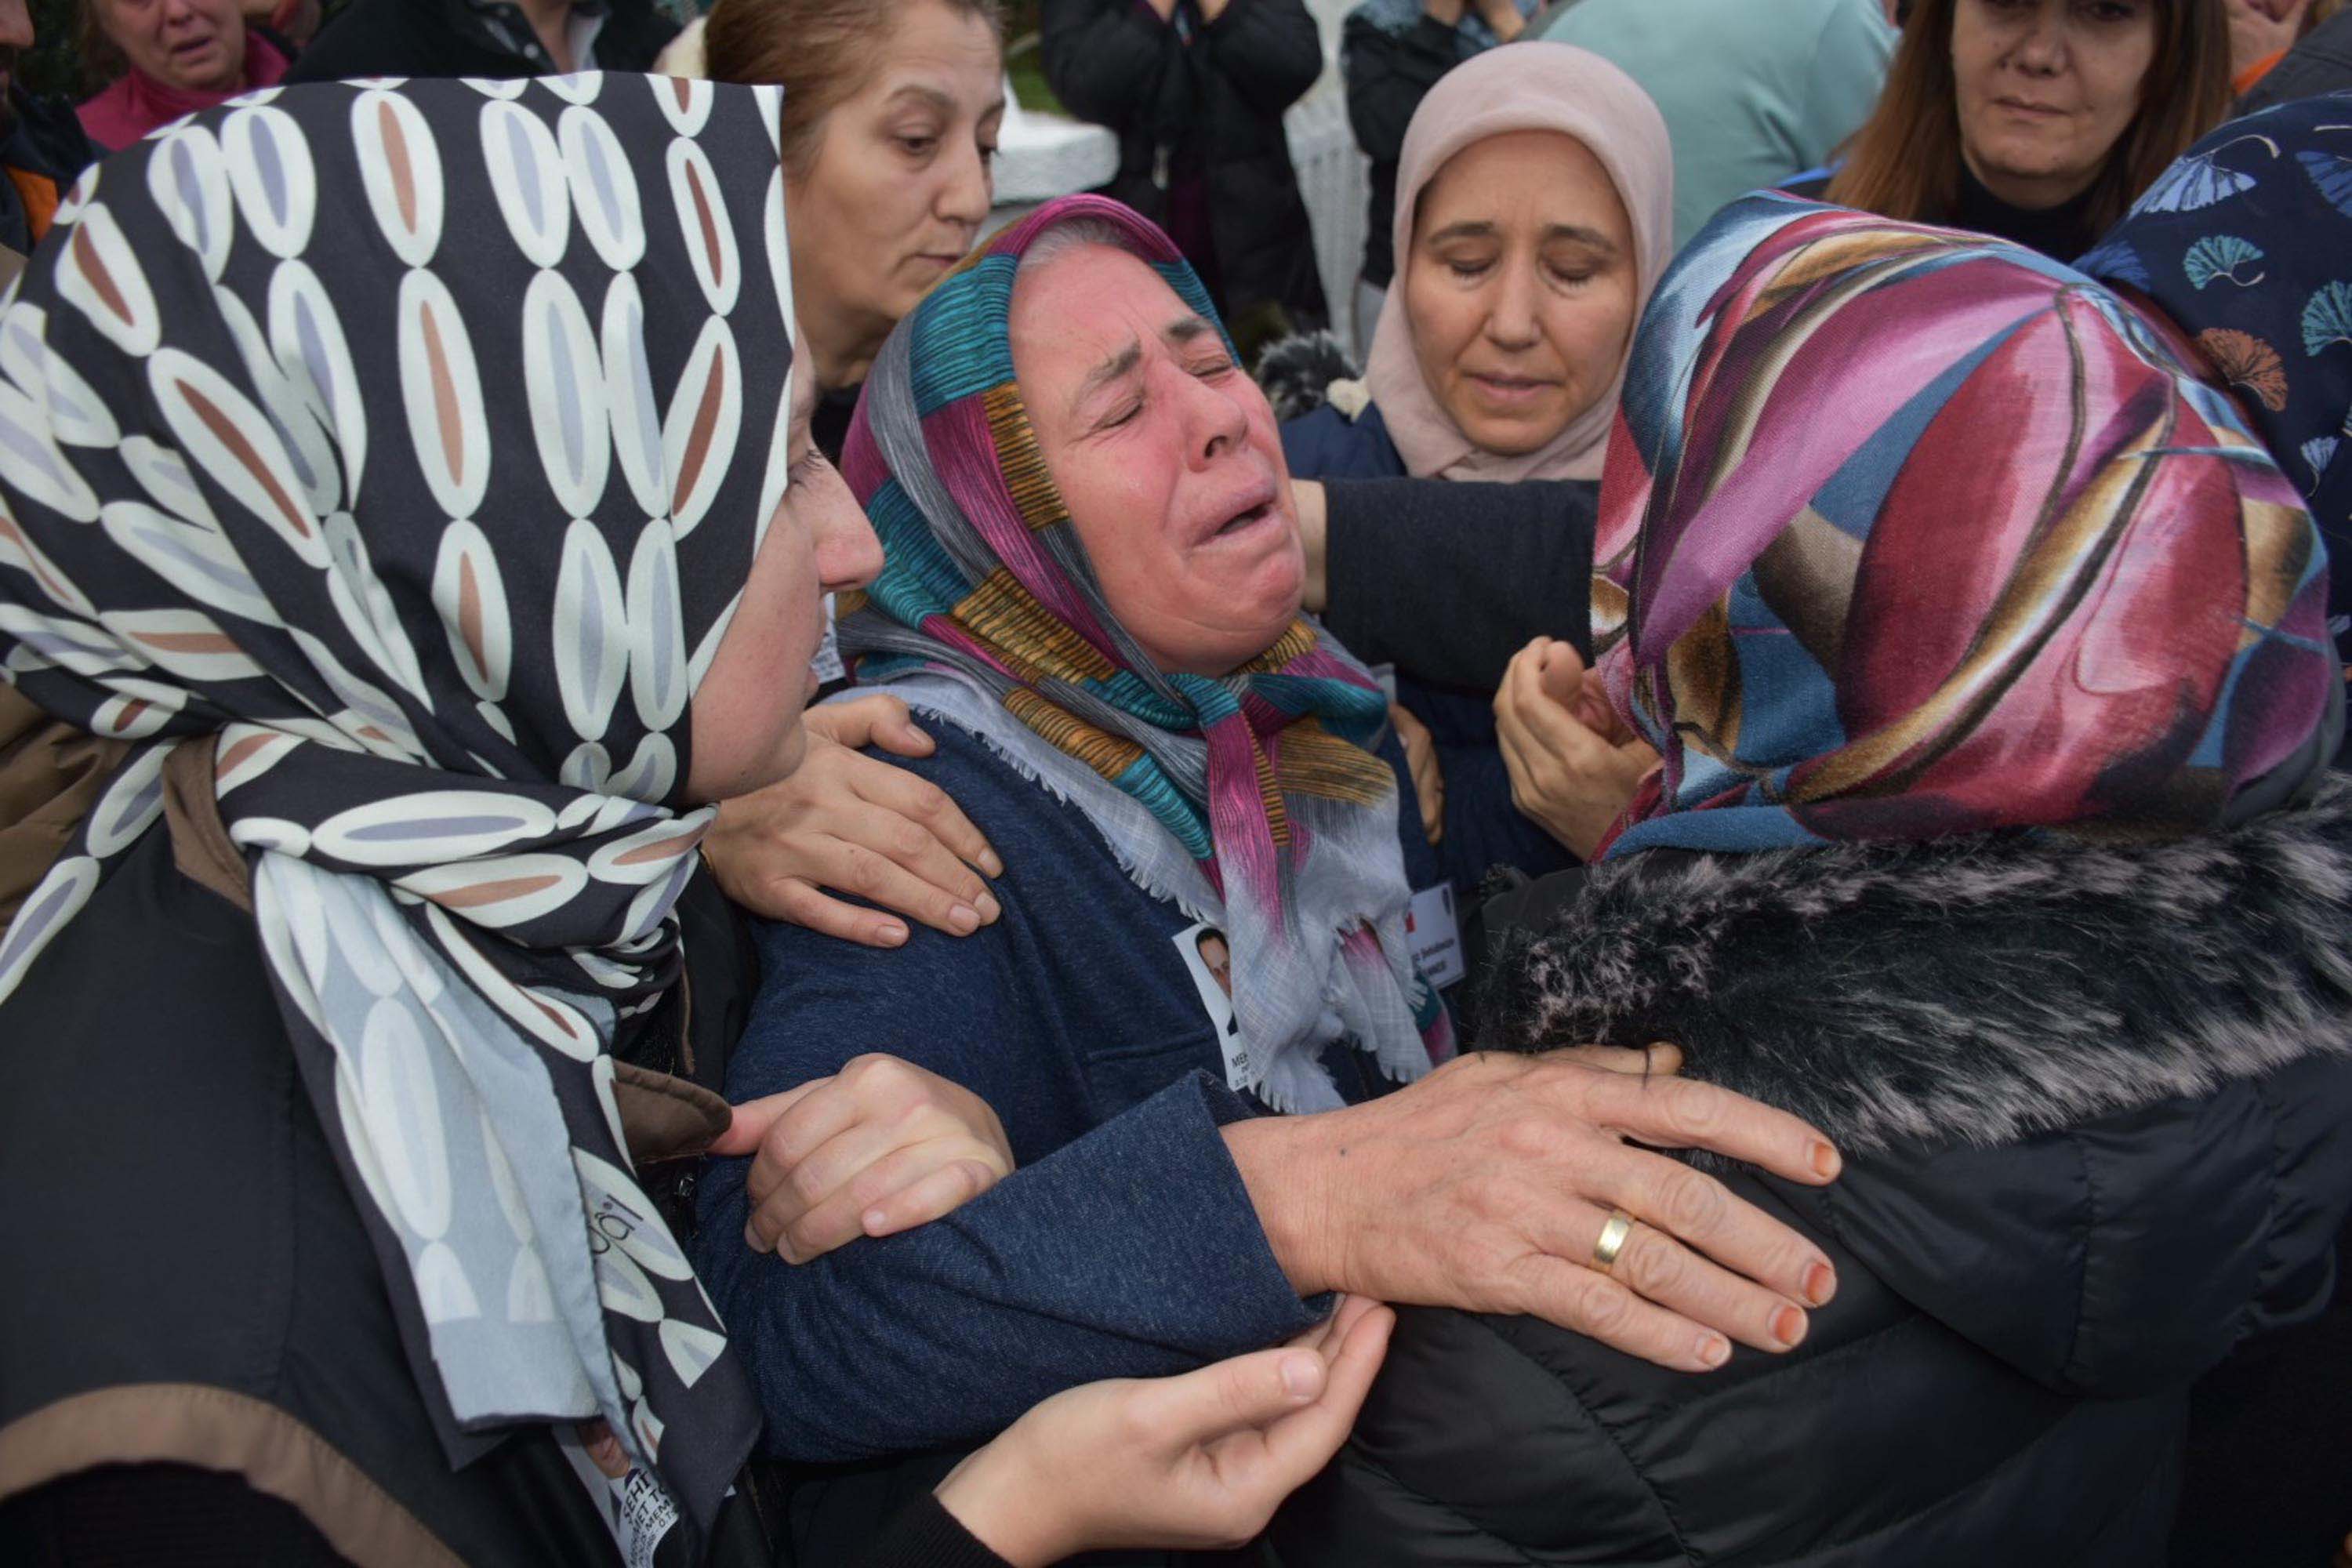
(1607,1307)
(1529,1137)
(863,872)
(906,840)
(877,1083)
(1654,1267)
(1697,1109)
(1790,1257)
(1691,1204)
(798,902)
(807,1185)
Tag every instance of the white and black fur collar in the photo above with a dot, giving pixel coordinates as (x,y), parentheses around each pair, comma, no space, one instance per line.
(1976,990)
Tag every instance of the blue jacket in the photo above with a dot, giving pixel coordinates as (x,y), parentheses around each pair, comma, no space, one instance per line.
(1328,445)
(1124,1246)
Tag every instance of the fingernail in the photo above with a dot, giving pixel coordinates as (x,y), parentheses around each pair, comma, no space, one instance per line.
(890,935)
(872,1221)
(991,864)
(1826,1162)
(1300,1376)
(1788,1325)
(989,908)
(751,1239)
(1821,1283)
(965,919)
(1714,1349)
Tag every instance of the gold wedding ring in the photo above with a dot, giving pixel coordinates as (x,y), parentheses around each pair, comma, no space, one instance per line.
(1612,1239)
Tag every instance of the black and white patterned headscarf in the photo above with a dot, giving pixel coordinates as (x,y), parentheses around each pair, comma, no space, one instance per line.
(415,440)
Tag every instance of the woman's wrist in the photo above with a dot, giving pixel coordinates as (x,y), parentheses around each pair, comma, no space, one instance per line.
(1314,534)
(1012,1511)
(1275,1159)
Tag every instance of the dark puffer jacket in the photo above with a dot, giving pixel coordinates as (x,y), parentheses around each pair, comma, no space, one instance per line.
(1192,98)
(2097,1109)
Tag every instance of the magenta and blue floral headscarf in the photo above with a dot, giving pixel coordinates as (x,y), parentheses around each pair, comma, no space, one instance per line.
(2245,244)
(1907,532)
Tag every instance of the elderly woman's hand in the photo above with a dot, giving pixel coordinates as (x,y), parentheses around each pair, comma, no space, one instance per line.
(1489,1185)
(855,825)
(1197,1462)
(1421,761)
(880,1146)
(1568,774)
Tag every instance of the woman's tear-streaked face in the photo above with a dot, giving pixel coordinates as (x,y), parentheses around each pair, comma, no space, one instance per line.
(1165,453)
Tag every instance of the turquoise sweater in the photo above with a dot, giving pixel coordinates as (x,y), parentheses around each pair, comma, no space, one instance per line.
(1752,90)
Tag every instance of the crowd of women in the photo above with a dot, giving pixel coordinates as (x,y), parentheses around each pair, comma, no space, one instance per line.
(1698,918)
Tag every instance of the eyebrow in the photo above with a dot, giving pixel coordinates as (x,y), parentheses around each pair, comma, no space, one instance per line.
(1120,366)
(1480,229)
(1180,331)
(940,102)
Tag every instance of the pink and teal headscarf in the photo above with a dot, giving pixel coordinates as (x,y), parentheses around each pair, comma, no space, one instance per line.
(1253,801)
(1907,532)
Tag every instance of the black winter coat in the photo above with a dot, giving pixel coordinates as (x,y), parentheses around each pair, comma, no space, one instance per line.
(2321,63)
(2096,1104)
(194,1295)
(1389,73)
(1215,102)
(455,38)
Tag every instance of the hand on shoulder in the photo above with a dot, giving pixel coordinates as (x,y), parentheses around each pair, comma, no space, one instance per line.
(853,824)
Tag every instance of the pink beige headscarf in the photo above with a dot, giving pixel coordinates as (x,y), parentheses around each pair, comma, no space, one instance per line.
(1521,87)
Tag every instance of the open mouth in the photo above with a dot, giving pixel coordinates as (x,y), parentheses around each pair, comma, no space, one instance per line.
(1243,521)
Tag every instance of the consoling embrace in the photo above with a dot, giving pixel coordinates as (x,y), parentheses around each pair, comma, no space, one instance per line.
(1943,1061)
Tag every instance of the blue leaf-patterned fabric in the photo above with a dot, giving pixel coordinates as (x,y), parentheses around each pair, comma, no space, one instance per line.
(2245,244)
(405,446)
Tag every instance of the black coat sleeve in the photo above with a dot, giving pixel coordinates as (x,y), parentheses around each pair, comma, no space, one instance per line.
(1268,51)
(1447,581)
(924,1534)
(1107,60)
(1388,76)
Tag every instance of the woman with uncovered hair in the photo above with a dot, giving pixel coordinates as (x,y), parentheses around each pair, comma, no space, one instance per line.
(1534,214)
(1986,655)
(888,126)
(888,123)
(2038,121)
(168,58)
(379,1111)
